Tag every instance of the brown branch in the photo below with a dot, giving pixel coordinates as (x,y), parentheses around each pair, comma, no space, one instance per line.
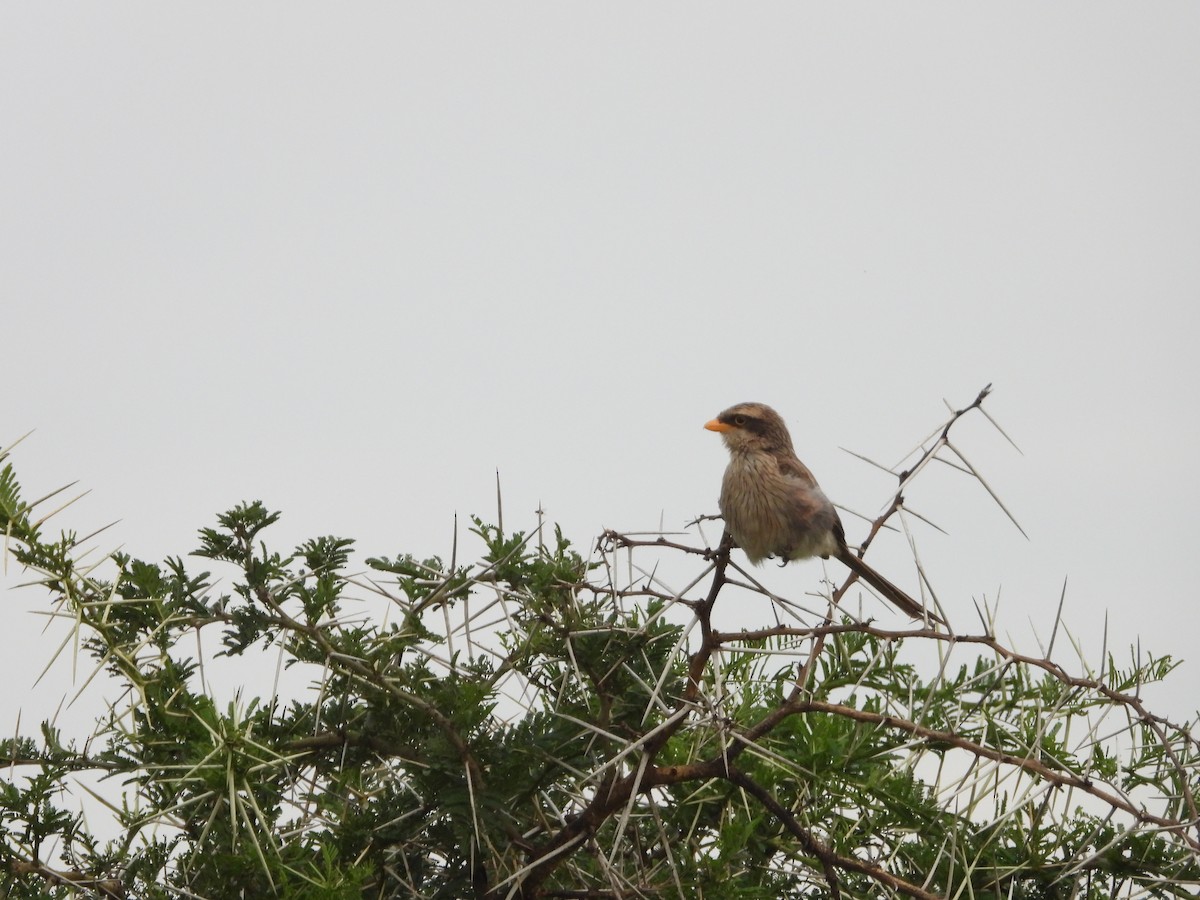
(1053,668)
(1055,776)
(613,793)
(78,764)
(615,540)
(826,857)
(830,860)
(905,477)
(106,887)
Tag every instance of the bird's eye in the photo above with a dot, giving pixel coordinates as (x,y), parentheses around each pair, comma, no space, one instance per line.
(739,420)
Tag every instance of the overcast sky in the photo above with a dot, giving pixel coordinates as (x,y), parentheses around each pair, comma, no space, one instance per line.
(354,259)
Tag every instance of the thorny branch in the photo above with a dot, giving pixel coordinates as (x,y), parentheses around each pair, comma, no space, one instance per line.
(614,794)
(689,735)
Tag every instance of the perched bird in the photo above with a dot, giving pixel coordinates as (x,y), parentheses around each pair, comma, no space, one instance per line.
(773,506)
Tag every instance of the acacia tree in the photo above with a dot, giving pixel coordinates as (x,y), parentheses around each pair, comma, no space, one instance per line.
(541,723)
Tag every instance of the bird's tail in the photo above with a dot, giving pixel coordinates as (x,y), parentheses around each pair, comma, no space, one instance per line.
(890,592)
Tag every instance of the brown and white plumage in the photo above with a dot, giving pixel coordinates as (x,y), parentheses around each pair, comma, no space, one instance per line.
(773,506)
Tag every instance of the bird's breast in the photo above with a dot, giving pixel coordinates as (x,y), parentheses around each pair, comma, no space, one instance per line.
(770,514)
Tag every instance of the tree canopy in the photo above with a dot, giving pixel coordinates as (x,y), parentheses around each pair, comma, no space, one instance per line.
(546,722)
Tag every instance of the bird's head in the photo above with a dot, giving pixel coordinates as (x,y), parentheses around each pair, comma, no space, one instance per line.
(752,426)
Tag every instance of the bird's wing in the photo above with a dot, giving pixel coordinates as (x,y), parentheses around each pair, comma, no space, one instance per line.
(791,468)
(813,526)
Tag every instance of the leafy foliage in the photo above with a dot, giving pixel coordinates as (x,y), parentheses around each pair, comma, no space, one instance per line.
(532,725)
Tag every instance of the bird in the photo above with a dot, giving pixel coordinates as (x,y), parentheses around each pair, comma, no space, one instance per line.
(773,506)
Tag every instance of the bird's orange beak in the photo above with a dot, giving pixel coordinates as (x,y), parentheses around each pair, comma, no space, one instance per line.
(717,425)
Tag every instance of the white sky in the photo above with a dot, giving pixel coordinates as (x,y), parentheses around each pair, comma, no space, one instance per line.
(352,260)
